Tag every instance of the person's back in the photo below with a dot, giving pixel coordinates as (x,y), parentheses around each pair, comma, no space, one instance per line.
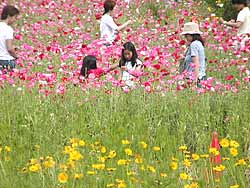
(6,32)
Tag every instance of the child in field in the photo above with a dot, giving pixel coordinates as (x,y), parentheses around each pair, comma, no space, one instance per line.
(129,64)
(243,20)
(195,64)
(89,66)
(108,27)
(7,50)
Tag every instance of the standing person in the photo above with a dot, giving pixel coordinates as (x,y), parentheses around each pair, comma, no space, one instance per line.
(129,64)
(7,50)
(195,64)
(243,20)
(108,27)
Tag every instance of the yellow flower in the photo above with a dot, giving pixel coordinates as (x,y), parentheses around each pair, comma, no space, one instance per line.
(101,159)
(37,147)
(82,143)
(7,158)
(143,145)
(234,186)
(112,154)
(111,169)
(103,149)
(91,173)
(78,176)
(98,166)
(75,155)
(241,162)
(194,185)
(110,185)
(62,177)
(128,152)
(214,151)
(151,169)
(195,157)
(174,159)
(204,156)
(49,164)
(138,159)
(130,173)
(224,143)
(234,144)
(156,148)
(183,176)
(186,163)
(35,167)
(122,162)
(225,158)
(219,168)
(164,175)
(7,149)
(182,148)
(233,152)
(125,142)
(173,165)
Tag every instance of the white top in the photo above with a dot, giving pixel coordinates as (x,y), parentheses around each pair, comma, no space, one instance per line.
(108,28)
(126,77)
(244,17)
(6,32)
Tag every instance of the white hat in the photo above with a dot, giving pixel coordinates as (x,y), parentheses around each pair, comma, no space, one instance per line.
(191,28)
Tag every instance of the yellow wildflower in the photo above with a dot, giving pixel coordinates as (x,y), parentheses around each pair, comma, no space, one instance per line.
(151,169)
(234,186)
(35,167)
(103,149)
(128,152)
(214,151)
(204,156)
(98,166)
(110,185)
(186,163)
(219,168)
(111,169)
(182,148)
(195,157)
(78,176)
(233,152)
(7,149)
(91,172)
(164,175)
(143,145)
(224,143)
(112,154)
(173,165)
(122,162)
(156,148)
(62,177)
(125,142)
(183,176)
(241,162)
(234,144)
(82,143)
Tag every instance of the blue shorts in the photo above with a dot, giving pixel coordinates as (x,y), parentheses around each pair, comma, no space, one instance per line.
(7,64)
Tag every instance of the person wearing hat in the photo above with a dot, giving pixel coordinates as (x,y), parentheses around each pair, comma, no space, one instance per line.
(194,61)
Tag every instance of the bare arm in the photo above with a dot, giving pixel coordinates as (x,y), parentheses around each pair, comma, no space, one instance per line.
(10,48)
(124,25)
(231,23)
(195,60)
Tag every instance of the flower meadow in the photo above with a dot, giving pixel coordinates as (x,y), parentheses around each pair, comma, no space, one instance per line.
(58,131)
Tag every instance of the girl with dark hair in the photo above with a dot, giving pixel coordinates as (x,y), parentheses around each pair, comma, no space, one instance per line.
(129,63)
(108,27)
(194,62)
(7,50)
(89,66)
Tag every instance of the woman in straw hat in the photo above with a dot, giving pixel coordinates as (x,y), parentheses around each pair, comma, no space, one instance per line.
(195,65)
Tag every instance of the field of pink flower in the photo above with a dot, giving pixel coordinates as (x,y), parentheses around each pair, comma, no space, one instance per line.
(58,131)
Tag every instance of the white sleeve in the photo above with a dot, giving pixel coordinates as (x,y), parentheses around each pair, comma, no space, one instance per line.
(138,62)
(9,34)
(241,16)
(110,22)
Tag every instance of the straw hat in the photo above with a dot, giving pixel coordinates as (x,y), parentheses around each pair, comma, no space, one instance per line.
(191,28)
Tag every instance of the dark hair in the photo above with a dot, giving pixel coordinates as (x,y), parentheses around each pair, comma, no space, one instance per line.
(108,6)
(130,47)
(198,37)
(88,63)
(9,10)
(239,2)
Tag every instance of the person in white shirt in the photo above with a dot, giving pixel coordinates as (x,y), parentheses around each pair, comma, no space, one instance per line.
(108,27)
(243,18)
(242,23)
(7,50)
(130,64)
